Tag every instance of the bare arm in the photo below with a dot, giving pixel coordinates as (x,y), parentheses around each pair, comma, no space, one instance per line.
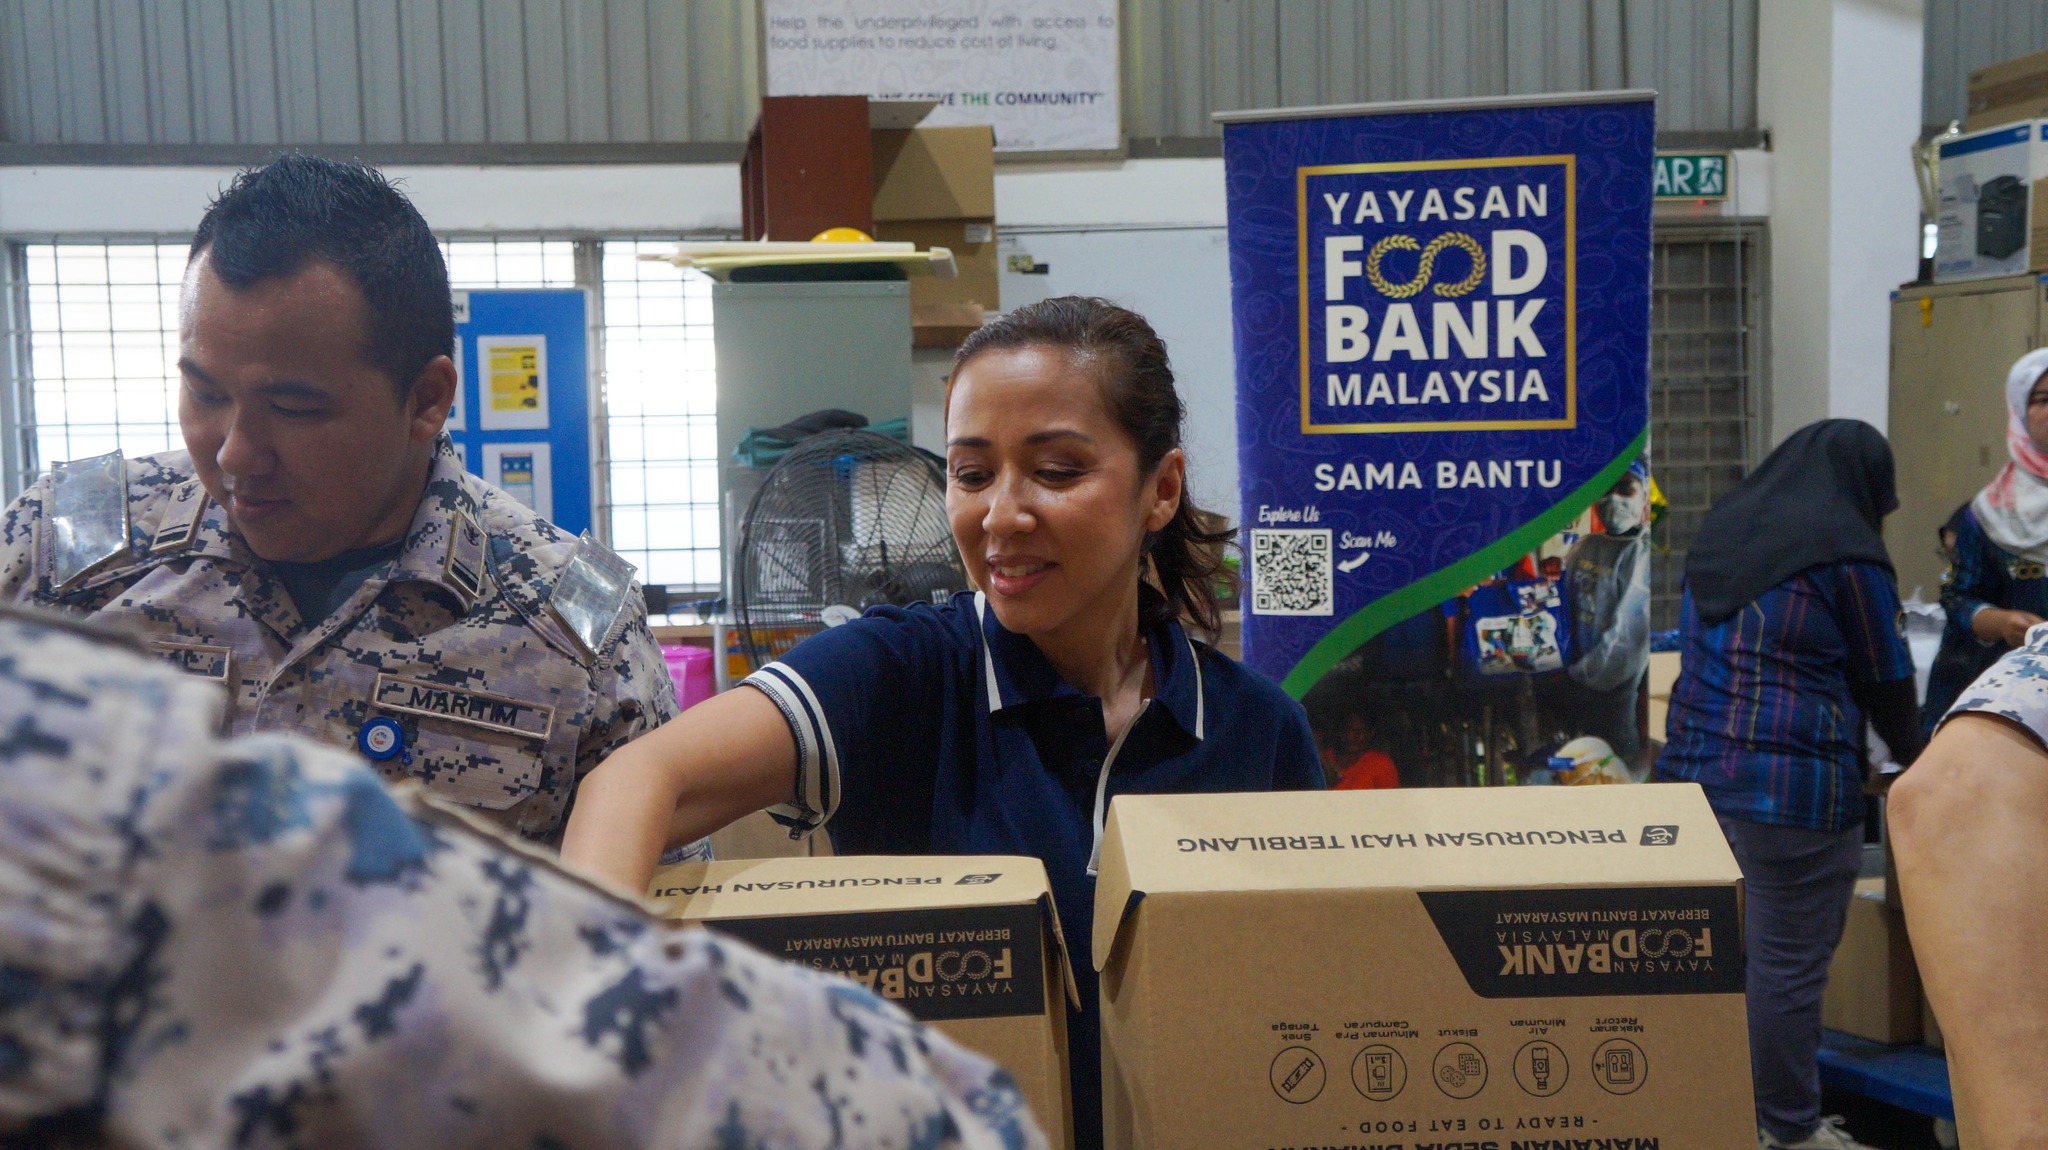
(1969,826)
(719,761)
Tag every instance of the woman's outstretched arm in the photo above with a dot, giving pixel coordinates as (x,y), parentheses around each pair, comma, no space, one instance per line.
(717,762)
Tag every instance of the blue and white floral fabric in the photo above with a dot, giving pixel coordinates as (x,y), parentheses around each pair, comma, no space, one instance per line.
(256,943)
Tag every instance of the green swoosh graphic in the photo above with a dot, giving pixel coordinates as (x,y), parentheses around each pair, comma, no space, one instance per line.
(1438,586)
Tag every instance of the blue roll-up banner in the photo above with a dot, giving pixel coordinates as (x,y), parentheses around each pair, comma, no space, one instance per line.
(1442,335)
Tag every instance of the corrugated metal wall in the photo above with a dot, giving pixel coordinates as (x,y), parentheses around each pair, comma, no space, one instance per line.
(1184,60)
(1964,35)
(520,72)
(375,71)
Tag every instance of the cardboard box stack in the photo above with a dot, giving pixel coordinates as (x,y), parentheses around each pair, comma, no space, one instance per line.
(969,944)
(1873,986)
(2003,93)
(1537,967)
(935,187)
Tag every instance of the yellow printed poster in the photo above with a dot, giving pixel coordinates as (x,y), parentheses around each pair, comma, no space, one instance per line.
(514,392)
(515,378)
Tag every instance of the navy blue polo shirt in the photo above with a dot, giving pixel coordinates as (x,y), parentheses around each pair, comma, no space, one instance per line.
(933,730)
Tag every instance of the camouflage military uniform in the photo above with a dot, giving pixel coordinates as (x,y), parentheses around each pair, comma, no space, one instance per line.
(254,943)
(2016,687)
(500,705)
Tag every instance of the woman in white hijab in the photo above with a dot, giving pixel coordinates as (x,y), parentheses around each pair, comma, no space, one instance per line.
(1998,585)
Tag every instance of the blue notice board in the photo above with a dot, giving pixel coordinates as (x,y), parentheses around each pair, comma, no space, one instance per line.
(523,416)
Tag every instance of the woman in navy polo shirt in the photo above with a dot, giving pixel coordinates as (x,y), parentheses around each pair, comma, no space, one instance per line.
(1004,721)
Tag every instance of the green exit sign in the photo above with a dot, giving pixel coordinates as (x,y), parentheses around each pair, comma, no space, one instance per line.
(1691,175)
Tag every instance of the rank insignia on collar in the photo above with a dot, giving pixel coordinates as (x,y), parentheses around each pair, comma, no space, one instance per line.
(180,523)
(465,563)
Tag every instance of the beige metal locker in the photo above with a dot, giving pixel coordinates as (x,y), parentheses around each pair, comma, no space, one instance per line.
(1951,347)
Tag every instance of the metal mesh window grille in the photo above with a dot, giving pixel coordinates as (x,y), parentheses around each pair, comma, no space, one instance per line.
(661,394)
(1706,304)
(482,264)
(103,336)
(102,350)
(97,328)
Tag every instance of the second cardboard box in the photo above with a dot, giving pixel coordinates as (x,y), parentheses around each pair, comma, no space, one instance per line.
(967,943)
(1537,967)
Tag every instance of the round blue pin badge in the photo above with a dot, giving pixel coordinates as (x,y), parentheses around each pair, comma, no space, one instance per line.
(381,739)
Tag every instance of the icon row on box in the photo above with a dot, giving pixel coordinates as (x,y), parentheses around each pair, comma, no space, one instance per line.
(1380,1073)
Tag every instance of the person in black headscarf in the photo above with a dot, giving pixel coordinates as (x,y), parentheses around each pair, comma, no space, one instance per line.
(1790,637)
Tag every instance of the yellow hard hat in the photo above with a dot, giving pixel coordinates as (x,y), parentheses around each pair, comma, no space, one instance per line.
(842,236)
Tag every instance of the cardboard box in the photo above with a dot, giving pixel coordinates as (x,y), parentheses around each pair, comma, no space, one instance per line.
(936,187)
(1873,989)
(934,173)
(2009,114)
(2002,93)
(974,255)
(1930,1026)
(969,944)
(1534,967)
(1664,668)
(1988,220)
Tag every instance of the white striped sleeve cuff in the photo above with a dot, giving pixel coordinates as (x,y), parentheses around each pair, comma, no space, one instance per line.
(815,795)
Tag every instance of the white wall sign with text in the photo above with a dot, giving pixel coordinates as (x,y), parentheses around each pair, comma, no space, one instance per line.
(1043,73)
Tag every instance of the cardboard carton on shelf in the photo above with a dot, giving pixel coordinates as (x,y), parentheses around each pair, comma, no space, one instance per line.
(973,244)
(1873,987)
(1452,967)
(944,325)
(933,173)
(936,187)
(2008,91)
(1988,220)
(969,944)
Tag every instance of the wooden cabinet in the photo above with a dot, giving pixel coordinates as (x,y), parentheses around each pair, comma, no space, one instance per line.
(1952,345)
(807,168)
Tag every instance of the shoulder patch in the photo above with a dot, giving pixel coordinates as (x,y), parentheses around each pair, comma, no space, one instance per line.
(86,513)
(591,592)
(180,521)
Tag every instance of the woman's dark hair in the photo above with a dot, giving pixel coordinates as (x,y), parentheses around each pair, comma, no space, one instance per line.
(274,220)
(1137,383)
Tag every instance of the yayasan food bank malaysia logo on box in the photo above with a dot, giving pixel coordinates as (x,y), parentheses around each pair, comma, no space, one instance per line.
(1438,295)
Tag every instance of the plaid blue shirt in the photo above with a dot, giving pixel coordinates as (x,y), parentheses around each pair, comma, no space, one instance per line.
(1761,715)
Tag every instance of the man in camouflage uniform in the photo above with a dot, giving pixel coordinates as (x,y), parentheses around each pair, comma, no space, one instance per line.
(254,943)
(319,549)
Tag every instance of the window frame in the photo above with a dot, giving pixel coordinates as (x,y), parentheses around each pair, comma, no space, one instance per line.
(21,464)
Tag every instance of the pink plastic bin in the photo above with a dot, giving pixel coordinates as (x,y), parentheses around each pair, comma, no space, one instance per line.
(690,667)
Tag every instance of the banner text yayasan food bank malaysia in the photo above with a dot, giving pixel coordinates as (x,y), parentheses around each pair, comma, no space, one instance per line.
(1442,353)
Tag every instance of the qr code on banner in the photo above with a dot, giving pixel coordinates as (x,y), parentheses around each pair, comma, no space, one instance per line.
(1291,573)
